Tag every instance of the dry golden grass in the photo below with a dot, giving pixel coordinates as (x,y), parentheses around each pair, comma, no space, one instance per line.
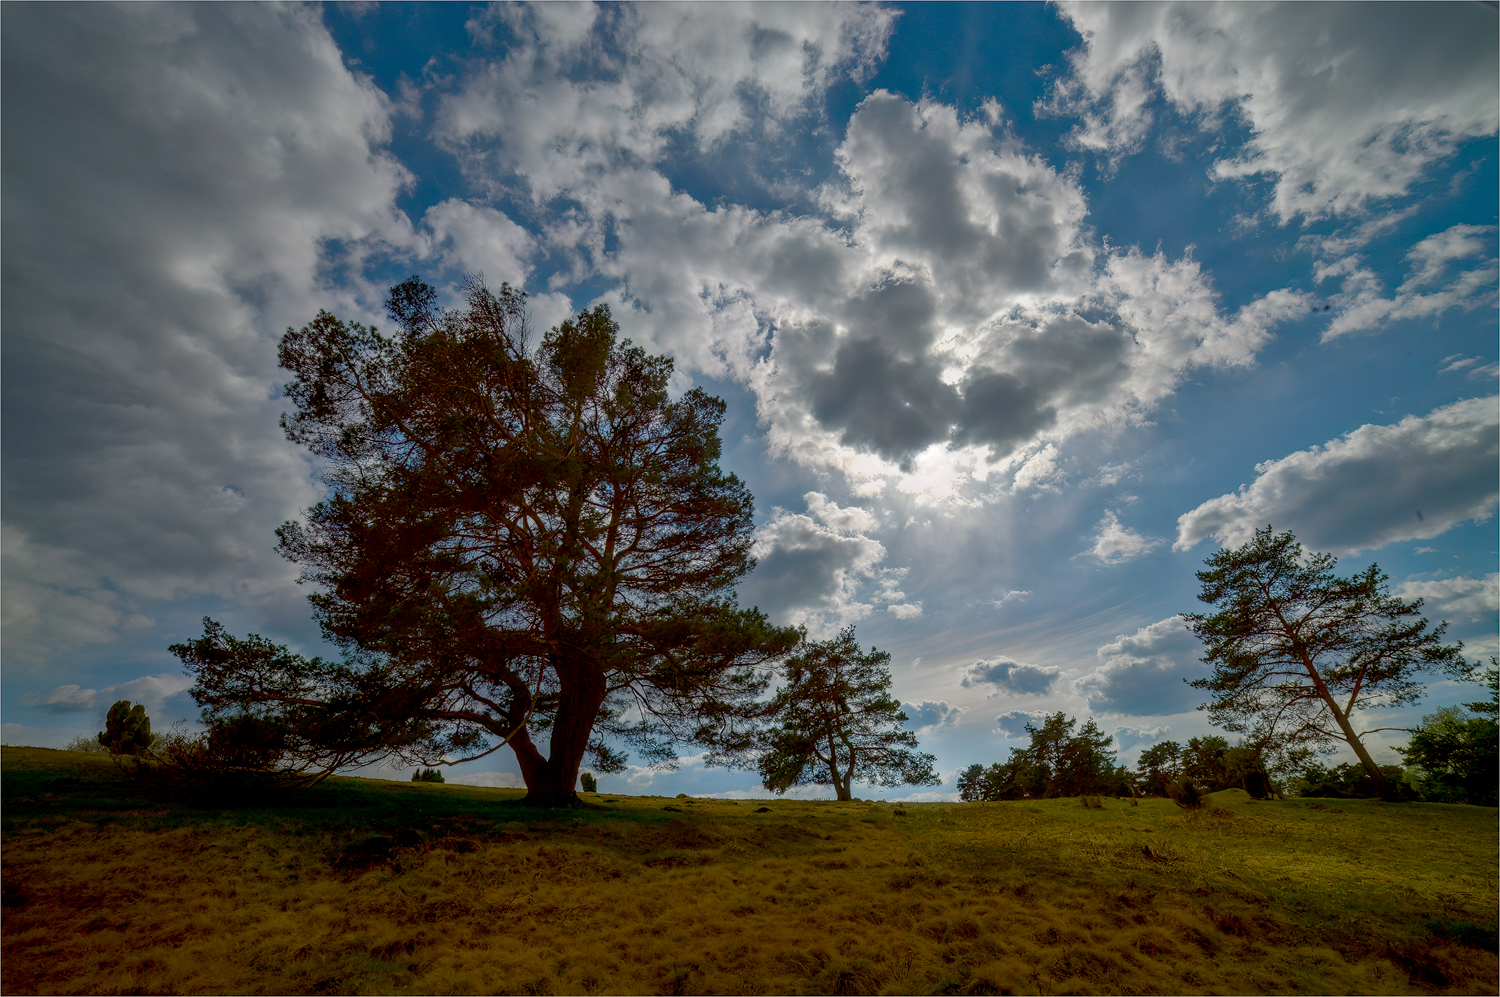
(372,887)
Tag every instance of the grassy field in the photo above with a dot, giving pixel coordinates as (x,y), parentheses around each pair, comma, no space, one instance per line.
(364,886)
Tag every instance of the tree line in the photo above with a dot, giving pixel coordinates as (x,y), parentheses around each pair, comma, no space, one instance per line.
(527,542)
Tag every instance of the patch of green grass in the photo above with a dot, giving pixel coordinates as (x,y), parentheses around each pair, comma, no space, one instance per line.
(387,887)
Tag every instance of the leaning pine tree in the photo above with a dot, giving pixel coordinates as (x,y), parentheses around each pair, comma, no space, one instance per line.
(530,545)
(1298,652)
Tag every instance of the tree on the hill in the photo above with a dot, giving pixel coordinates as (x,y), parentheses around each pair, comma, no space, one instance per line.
(1456,754)
(1056,762)
(1298,652)
(836,723)
(522,541)
(127,729)
(1159,765)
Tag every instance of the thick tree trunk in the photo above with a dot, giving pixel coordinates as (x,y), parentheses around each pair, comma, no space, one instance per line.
(551,781)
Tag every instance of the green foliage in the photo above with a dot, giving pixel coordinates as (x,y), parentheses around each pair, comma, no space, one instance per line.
(427,775)
(1453,753)
(127,730)
(525,543)
(835,723)
(1297,651)
(588,782)
(1057,762)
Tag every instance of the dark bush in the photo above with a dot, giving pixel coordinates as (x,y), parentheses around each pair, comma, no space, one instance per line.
(1186,794)
(427,775)
(127,730)
(588,782)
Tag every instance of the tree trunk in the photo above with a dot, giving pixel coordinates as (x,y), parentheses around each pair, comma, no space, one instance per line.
(1352,738)
(551,782)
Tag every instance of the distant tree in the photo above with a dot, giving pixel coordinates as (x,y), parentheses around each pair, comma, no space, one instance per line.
(427,775)
(1158,765)
(127,730)
(588,783)
(524,544)
(1203,762)
(1454,751)
(1056,762)
(1298,652)
(836,723)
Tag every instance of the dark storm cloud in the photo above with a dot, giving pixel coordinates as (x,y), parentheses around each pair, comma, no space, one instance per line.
(1009,675)
(884,392)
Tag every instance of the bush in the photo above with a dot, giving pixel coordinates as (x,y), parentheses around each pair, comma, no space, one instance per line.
(127,730)
(88,745)
(588,782)
(1186,794)
(427,775)
(237,758)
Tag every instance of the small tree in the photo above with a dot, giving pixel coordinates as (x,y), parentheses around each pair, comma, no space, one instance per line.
(1454,752)
(1298,652)
(127,730)
(427,775)
(588,783)
(1159,765)
(835,723)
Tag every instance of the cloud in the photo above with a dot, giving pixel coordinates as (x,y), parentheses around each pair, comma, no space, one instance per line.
(1345,106)
(1008,596)
(1009,675)
(1142,674)
(1476,598)
(1129,737)
(187,175)
(489,780)
(1362,305)
(1013,722)
(151,691)
(1374,486)
(1115,544)
(937,315)
(819,569)
(928,715)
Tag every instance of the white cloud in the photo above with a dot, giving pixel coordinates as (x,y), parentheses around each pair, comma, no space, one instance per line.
(818,569)
(1476,598)
(1008,596)
(1346,105)
(489,780)
(930,716)
(1129,737)
(1008,675)
(187,174)
(151,691)
(1115,544)
(1013,723)
(1142,674)
(1362,305)
(1374,486)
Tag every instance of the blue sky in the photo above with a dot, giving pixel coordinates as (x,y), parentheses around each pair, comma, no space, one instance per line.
(1019,310)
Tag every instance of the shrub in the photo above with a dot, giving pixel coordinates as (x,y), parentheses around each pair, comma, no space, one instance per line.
(588,782)
(1186,794)
(86,744)
(237,757)
(1092,802)
(127,730)
(427,775)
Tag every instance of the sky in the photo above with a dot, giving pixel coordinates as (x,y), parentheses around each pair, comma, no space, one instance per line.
(1020,311)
